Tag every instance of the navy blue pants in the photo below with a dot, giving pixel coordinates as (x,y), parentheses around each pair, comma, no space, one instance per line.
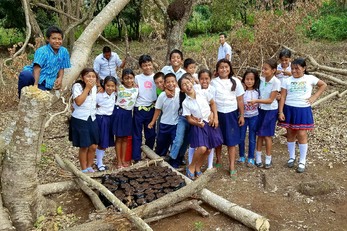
(166,135)
(26,78)
(141,119)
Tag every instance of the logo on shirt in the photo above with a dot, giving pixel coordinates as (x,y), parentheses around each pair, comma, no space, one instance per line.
(298,87)
(148,84)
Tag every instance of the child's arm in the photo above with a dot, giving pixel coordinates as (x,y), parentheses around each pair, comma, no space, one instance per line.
(321,87)
(195,122)
(281,116)
(36,73)
(79,100)
(264,101)
(154,119)
(215,121)
(241,108)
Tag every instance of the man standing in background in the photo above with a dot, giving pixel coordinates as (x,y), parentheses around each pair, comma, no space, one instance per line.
(224,51)
(106,63)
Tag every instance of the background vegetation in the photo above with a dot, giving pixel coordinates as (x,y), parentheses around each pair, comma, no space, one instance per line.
(328,23)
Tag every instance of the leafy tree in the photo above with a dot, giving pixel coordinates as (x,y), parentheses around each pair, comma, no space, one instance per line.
(11,14)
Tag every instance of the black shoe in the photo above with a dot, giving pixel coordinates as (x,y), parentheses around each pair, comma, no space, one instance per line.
(259,165)
(267,166)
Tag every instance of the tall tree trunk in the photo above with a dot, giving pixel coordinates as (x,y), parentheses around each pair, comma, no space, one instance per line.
(19,174)
(83,45)
(36,32)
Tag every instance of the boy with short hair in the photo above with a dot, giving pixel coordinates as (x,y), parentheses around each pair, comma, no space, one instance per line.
(159,82)
(47,69)
(189,66)
(176,60)
(144,107)
(168,106)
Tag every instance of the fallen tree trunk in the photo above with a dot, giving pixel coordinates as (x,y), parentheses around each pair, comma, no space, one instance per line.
(246,217)
(138,222)
(19,174)
(342,94)
(92,195)
(108,224)
(58,187)
(316,64)
(329,77)
(178,208)
(335,93)
(238,213)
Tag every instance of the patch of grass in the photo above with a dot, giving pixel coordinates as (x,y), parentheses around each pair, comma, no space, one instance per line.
(196,44)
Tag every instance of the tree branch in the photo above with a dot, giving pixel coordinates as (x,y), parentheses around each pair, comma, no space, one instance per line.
(54,9)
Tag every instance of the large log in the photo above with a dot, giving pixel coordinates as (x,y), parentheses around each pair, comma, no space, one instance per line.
(246,217)
(138,222)
(92,195)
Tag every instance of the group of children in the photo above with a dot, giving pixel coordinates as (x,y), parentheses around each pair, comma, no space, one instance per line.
(199,110)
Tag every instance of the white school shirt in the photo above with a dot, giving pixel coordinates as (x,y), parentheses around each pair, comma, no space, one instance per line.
(210,89)
(169,69)
(107,67)
(223,50)
(105,103)
(225,99)
(147,90)
(266,88)
(299,90)
(88,107)
(169,107)
(281,76)
(250,110)
(126,97)
(198,107)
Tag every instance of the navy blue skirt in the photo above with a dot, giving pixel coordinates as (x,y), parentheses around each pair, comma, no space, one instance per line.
(267,122)
(84,133)
(207,136)
(105,133)
(229,125)
(121,122)
(297,118)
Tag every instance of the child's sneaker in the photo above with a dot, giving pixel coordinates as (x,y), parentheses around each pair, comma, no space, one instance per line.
(241,160)
(267,166)
(259,165)
(250,163)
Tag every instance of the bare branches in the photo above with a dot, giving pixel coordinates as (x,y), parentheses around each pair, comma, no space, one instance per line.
(47,7)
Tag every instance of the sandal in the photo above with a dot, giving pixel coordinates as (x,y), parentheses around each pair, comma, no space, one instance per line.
(90,169)
(189,174)
(290,163)
(102,168)
(198,174)
(233,174)
(217,165)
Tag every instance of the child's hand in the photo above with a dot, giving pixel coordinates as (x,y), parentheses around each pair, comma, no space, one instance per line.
(215,123)
(241,121)
(200,124)
(90,84)
(210,119)
(251,102)
(311,100)
(287,73)
(150,125)
(281,116)
(57,83)
(169,94)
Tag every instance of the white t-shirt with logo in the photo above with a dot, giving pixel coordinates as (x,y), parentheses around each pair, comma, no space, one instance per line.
(147,90)
(299,90)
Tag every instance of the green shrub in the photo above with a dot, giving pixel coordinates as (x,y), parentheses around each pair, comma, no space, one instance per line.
(10,36)
(245,34)
(146,30)
(331,24)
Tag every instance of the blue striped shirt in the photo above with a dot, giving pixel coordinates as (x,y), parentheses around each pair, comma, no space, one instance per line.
(50,63)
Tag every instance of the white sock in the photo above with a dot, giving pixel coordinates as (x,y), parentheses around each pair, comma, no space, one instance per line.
(291,150)
(99,157)
(190,154)
(210,159)
(303,152)
(267,159)
(258,157)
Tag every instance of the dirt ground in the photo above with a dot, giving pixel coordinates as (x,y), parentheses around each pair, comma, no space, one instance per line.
(315,200)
